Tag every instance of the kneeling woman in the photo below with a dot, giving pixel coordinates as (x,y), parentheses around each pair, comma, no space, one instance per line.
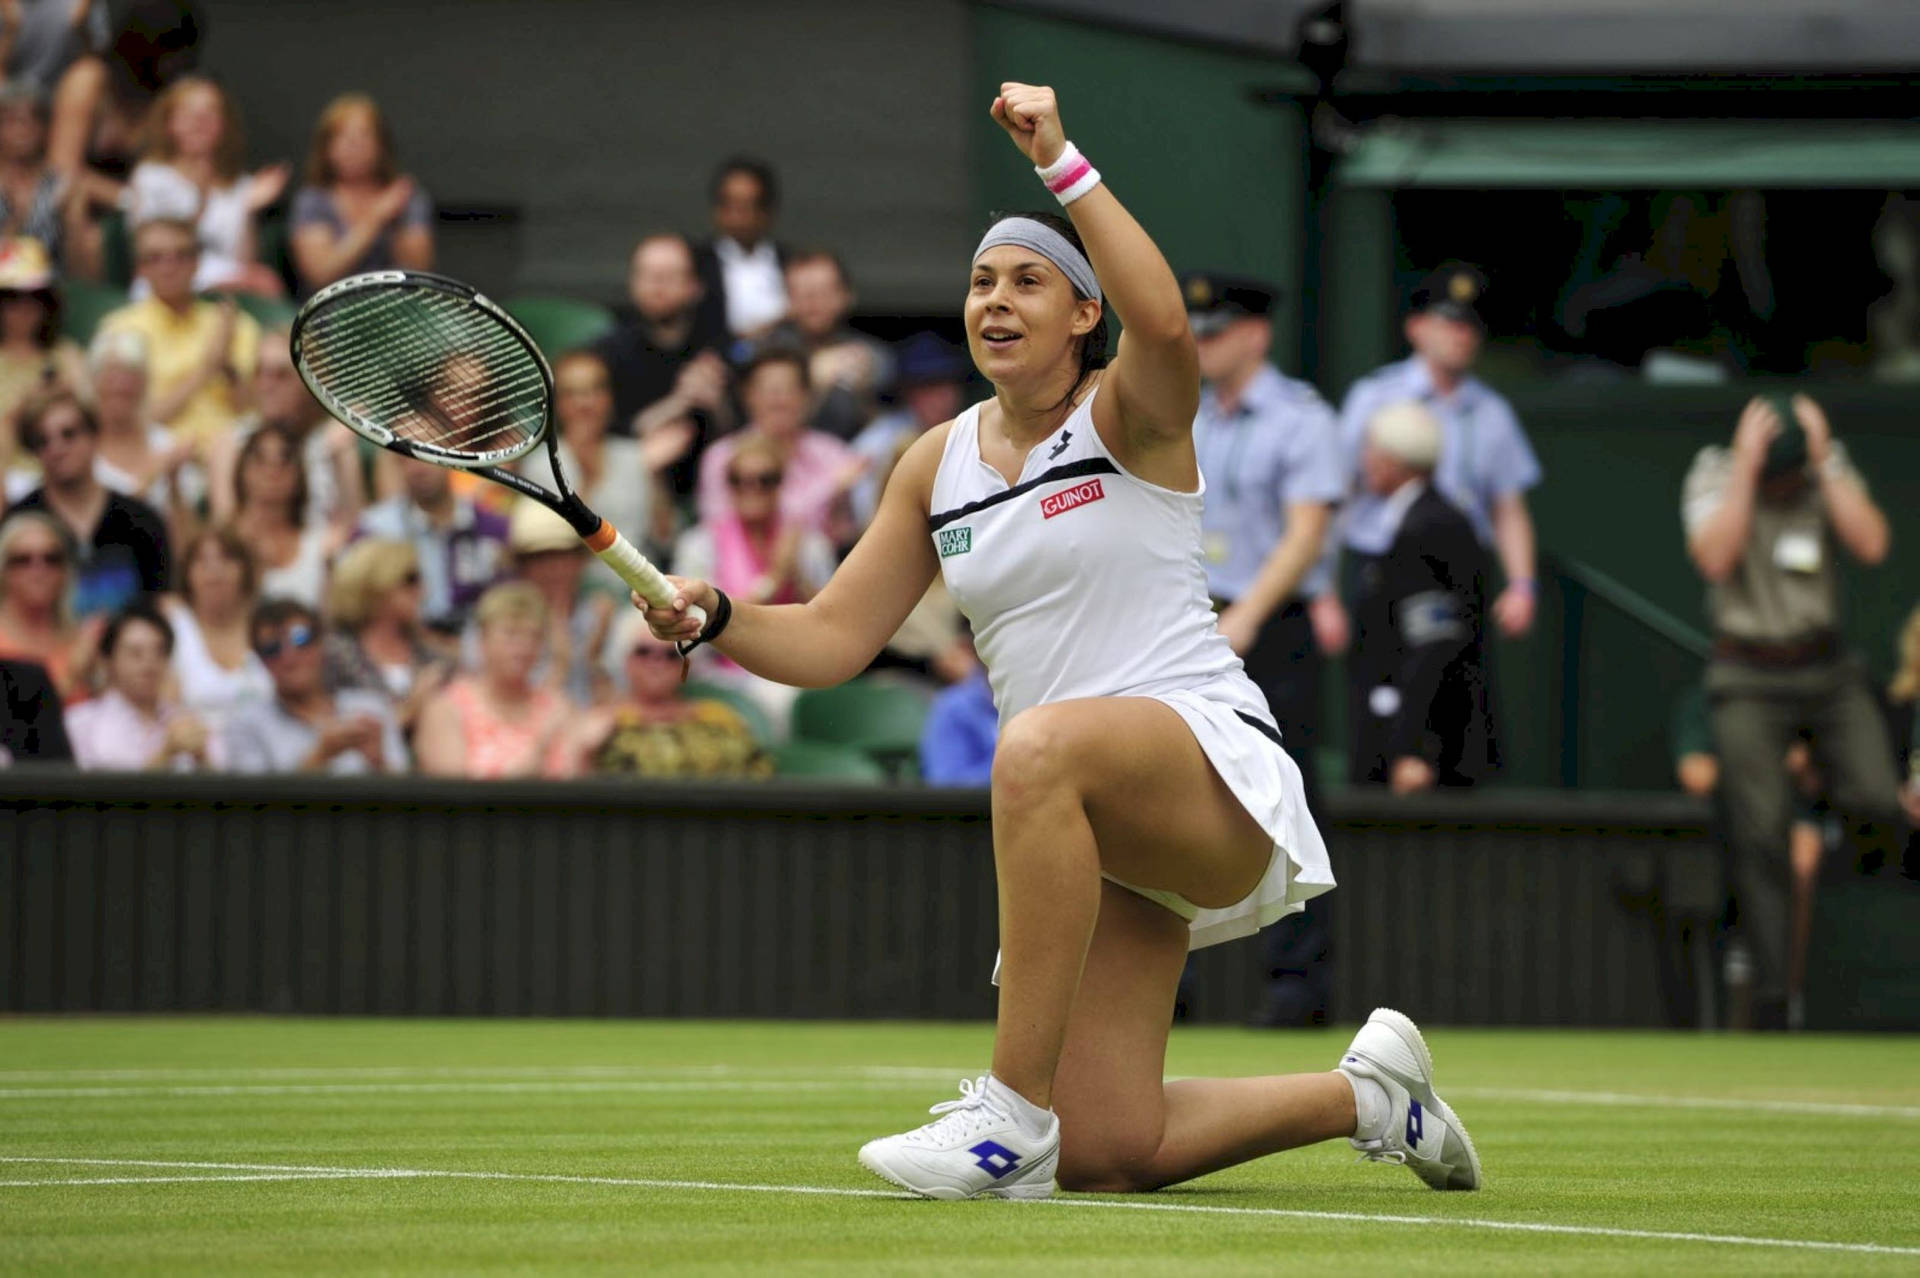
(1142,804)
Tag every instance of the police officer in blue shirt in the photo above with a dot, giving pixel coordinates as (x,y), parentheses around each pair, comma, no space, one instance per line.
(1486,464)
(1269,452)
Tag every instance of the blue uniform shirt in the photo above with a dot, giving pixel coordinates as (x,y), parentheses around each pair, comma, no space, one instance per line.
(1484,454)
(1280,445)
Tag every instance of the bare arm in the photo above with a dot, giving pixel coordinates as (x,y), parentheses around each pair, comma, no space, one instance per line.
(413,248)
(1513,537)
(1155,377)
(76,103)
(838,633)
(439,747)
(1720,540)
(1857,521)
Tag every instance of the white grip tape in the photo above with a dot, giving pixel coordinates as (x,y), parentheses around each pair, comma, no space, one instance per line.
(643,576)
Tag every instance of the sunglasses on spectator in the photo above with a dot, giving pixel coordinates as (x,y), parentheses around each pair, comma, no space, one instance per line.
(766,481)
(296,637)
(154,256)
(654,652)
(411,579)
(45,558)
(582,388)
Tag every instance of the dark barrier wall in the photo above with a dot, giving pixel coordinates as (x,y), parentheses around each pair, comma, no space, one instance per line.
(296,895)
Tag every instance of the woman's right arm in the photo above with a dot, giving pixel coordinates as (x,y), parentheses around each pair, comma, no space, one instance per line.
(438,748)
(837,634)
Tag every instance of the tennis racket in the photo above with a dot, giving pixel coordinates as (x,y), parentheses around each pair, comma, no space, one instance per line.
(429,368)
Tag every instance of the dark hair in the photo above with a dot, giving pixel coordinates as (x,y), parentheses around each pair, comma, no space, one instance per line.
(145,614)
(35,411)
(280,612)
(231,545)
(1094,343)
(805,257)
(776,354)
(759,170)
(252,447)
(49,298)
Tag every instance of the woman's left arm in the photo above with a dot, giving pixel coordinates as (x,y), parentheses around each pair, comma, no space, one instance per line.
(1155,376)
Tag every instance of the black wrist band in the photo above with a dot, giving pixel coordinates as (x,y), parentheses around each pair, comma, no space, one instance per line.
(722,614)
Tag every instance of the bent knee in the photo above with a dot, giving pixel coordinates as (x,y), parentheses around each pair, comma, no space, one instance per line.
(1108,1170)
(1035,751)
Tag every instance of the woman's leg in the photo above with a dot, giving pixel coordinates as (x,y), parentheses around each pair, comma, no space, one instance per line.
(1121,1127)
(1116,784)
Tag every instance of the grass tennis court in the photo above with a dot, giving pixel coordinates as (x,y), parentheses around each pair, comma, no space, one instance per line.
(278,1146)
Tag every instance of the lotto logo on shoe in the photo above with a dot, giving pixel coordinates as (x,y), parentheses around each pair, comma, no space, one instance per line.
(1068,499)
(994,1158)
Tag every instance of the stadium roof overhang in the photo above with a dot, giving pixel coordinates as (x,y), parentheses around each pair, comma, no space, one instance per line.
(1618,154)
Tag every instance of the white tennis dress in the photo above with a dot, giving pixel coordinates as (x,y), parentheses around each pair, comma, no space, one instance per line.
(1083,580)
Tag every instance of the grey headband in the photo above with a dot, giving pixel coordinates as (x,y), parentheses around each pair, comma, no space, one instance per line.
(1048,243)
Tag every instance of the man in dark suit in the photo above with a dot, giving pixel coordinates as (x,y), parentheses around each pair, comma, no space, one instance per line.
(742,268)
(1418,691)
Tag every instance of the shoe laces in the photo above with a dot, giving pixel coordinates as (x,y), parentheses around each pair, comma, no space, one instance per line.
(961,1117)
(1378,1151)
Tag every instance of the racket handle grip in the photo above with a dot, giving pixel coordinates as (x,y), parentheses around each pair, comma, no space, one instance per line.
(646,580)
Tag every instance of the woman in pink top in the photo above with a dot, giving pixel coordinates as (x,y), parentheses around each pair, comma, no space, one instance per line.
(819,469)
(496,722)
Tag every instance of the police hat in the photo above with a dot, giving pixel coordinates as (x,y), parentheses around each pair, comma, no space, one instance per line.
(1215,301)
(1453,292)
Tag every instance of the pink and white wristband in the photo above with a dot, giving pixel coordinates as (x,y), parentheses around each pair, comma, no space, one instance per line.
(1070,176)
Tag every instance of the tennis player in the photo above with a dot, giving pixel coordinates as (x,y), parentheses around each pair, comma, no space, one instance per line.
(1142,804)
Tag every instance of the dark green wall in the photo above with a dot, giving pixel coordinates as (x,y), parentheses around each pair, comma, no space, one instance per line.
(1216,178)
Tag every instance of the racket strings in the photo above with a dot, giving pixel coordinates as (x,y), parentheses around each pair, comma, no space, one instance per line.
(431,367)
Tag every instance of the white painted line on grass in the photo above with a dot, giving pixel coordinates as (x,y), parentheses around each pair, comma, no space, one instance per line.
(1641,1100)
(552,1086)
(713,1186)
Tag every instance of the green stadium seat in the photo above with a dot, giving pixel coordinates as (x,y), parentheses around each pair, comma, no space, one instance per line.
(84,304)
(561,324)
(750,710)
(882,719)
(822,761)
(269,312)
(116,248)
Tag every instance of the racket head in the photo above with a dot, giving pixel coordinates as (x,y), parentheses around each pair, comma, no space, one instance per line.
(426,366)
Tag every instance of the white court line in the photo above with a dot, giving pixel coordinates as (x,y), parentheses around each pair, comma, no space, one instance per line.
(558,1086)
(1348,1217)
(1641,1100)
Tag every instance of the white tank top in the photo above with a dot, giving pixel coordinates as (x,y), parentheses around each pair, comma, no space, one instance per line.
(1081,580)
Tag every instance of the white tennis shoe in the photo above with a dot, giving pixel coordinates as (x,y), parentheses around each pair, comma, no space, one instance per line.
(1422,1132)
(975,1149)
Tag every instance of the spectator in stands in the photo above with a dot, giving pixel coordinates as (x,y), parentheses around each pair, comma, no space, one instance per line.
(270,489)
(655,729)
(374,638)
(214,665)
(462,546)
(1764,519)
(1903,695)
(32,729)
(36,617)
(497,721)
(752,550)
(200,354)
(101,103)
(956,746)
(357,211)
(662,356)
(849,370)
(742,266)
(43,37)
(549,555)
(304,727)
(1486,464)
(818,470)
(34,358)
(122,541)
(35,202)
(931,378)
(619,478)
(139,457)
(132,726)
(1418,679)
(191,171)
(336,487)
